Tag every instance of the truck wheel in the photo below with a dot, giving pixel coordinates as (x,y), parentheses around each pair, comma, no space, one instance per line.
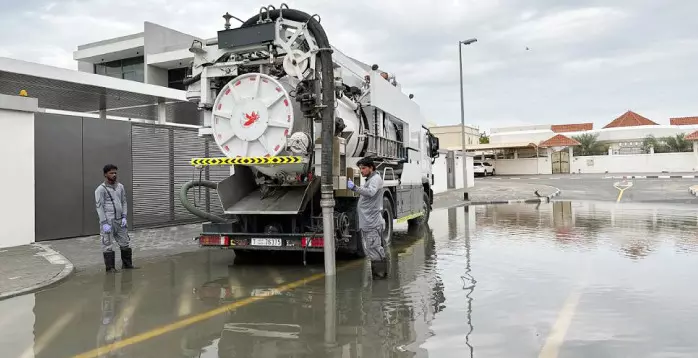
(388,222)
(415,223)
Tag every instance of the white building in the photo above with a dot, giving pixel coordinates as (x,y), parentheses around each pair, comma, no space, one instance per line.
(450,136)
(159,56)
(622,147)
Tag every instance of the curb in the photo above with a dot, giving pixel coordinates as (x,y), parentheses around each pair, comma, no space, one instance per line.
(517,201)
(546,198)
(53,257)
(693,189)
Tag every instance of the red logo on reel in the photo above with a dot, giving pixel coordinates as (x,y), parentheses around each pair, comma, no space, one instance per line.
(250,119)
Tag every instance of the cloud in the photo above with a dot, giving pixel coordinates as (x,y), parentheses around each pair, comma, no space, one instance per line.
(586,60)
(565,26)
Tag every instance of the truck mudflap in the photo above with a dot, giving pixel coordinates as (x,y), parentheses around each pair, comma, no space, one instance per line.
(271,242)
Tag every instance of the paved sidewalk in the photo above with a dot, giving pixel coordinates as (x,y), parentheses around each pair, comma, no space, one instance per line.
(147,244)
(27,268)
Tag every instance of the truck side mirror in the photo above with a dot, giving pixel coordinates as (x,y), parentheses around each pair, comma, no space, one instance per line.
(434,146)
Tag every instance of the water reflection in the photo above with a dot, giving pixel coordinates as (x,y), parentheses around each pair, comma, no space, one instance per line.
(480,281)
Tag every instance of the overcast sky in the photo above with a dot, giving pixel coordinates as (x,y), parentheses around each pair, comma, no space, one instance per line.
(588,61)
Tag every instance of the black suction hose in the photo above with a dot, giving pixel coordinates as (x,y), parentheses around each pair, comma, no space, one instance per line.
(194,210)
(327,72)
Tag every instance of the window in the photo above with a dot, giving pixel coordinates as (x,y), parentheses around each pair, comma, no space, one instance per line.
(128,69)
(175,78)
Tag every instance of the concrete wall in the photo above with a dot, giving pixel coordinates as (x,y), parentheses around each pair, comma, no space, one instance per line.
(440,174)
(17,181)
(606,135)
(522,166)
(527,136)
(86,67)
(450,136)
(160,39)
(440,171)
(636,163)
(470,179)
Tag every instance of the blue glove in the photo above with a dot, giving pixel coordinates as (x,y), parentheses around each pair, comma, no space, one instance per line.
(106,228)
(350,184)
(123,222)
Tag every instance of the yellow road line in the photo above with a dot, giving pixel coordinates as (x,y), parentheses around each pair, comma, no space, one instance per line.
(202,316)
(554,341)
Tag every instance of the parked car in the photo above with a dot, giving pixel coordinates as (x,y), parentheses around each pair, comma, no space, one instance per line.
(483,168)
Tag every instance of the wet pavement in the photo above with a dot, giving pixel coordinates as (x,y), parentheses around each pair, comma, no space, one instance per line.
(603,187)
(560,279)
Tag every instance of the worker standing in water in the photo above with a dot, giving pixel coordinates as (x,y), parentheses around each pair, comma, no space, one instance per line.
(371,223)
(112,209)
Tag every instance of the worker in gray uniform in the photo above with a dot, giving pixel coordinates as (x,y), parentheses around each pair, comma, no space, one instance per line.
(112,209)
(369,210)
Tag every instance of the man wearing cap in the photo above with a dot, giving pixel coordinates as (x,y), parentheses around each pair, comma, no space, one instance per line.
(369,210)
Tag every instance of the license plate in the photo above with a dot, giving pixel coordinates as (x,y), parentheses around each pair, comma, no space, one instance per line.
(266,242)
(265,292)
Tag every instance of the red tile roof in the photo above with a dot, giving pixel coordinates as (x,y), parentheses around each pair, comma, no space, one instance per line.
(574,127)
(692,136)
(559,141)
(683,121)
(630,119)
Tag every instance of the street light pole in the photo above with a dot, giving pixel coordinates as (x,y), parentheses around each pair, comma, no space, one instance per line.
(462,112)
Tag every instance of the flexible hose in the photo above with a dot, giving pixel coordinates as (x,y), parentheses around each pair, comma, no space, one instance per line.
(188,81)
(328,87)
(194,210)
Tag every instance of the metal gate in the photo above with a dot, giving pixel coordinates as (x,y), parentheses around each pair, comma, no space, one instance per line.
(561,162)
(160,157)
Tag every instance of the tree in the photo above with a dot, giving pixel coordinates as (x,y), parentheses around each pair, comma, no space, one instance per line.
(674,144)
(651,141)
(678,143)
(589,145)
(484,138)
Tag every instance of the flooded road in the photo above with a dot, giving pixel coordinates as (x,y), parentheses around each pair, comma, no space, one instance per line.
(565,279)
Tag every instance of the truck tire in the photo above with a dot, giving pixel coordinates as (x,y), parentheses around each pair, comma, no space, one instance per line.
(415,223)
(388,219)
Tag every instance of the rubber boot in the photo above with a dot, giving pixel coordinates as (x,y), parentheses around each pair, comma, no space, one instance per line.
(378,269)
(109,261)
(127,258)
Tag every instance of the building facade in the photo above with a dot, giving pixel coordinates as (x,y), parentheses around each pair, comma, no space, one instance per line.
(158,55)
(450,136)
(629,143)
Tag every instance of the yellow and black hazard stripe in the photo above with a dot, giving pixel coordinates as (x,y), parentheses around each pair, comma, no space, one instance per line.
(246,160)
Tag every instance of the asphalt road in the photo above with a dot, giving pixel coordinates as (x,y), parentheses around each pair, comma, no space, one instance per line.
(603,188)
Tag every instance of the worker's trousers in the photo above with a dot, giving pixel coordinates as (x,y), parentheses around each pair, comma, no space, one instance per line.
(117,233)
(372,241)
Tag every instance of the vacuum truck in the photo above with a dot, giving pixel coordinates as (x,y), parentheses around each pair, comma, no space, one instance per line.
(291,115)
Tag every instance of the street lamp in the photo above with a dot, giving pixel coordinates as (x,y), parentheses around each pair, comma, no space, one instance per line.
(462,112)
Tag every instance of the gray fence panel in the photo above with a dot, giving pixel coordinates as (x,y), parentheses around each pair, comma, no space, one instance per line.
(152,194)
(161,156)
(187,145)
(58,168)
